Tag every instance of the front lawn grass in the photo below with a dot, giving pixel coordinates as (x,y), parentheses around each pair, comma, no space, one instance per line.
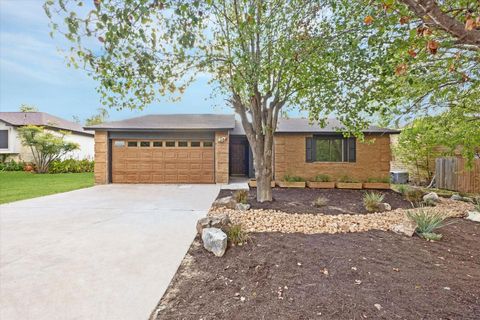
(24,185)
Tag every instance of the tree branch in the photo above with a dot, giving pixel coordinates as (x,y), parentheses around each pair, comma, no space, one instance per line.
(432,15)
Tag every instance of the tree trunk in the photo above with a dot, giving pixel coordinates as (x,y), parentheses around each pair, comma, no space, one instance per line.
(263,174)
(259,132)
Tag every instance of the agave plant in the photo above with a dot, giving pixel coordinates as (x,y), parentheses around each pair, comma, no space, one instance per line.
(427,222)
(372,201)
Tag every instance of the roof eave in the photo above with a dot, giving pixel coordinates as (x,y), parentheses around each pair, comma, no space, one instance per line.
(153,129)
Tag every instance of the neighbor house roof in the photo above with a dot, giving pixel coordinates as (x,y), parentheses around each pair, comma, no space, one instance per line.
(41,119)
(171,122)
(292,125)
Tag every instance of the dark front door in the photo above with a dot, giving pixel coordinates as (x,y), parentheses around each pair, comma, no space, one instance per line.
(238,157)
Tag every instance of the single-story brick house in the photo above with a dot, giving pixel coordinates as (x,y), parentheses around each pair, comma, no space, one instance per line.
(209,148)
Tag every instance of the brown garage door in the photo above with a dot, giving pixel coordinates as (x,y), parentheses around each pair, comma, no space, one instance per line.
(162,161)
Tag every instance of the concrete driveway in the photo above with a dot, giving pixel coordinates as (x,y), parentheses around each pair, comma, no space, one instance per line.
(106,252)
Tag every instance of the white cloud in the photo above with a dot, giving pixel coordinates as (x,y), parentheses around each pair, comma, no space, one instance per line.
(30,11)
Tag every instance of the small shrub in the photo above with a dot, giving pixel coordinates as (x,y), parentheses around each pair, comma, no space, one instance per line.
(403,189)
(320,202)
(347,179)
(372,201)
(12,165)
(241,196)
(427,220)
(71,166)
(380,180)
(236,235)
(476,204)
(322,178)
(415,196)
(289,178)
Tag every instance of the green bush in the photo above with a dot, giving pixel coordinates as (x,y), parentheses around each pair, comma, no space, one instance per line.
(347,179)
(403,189)
(12,165)
(236,235)
(427,221)
(323,178)
(288,178)
(71,166)
(476,203)
(241,196)
(415,196)
(372,200)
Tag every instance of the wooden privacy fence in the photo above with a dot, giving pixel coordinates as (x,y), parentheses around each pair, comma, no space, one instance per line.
(452,174)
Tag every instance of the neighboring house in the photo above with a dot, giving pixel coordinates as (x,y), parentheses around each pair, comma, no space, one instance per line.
(208,148)
(11,145)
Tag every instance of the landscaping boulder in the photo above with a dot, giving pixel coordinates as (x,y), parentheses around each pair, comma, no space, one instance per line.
(456,197)
(228,202)
(215,241)
(384,207)
(473,216)
(242,206)
(431,197)
(406,227)
(221,222)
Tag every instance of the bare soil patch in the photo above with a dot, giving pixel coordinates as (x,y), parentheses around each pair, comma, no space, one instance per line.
(338,201)
(374,275)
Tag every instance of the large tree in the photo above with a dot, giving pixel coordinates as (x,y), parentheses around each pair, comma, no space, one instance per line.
(431,56)
(429,67)
(265,56)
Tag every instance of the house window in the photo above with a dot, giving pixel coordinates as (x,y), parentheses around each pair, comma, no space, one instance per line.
(119,143)
(183,143)
(132,144)
(144,143)
(3,139)
(169,143)
(157,143)
(334,148)
(195,144)
(207,144)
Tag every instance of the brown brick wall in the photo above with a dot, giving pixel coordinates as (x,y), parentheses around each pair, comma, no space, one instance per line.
(101,157)
(373,159)
(221,156)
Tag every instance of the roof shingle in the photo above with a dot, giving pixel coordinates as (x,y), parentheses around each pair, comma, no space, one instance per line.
(172,122)
(41,119)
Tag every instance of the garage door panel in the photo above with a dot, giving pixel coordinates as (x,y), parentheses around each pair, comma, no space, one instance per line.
(158,154)
(145,178)
(162,164)
(158,166)
(170,154)
(171,178)
(182,155)
(158,178)
(145,155)
(131,153)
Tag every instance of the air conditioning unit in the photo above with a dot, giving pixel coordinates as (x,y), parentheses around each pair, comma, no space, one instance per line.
(399,177)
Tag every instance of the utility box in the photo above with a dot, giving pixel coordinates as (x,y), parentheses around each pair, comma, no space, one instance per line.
(399,177)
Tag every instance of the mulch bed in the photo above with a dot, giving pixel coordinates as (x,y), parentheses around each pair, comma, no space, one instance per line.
(341,276)
(339,201)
